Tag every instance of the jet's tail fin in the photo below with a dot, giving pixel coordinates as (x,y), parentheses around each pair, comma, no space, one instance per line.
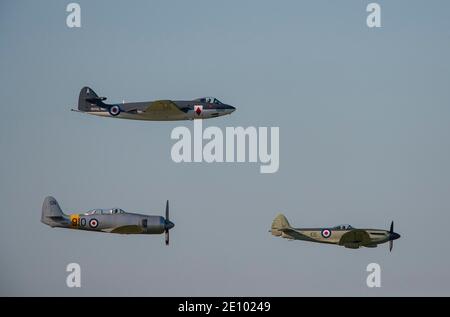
(52,214)
(280,222)
(88,99)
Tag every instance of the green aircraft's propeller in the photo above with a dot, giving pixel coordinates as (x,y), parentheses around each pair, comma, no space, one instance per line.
(391,241)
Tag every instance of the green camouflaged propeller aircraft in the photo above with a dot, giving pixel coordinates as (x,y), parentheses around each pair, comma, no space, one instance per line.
(344,235)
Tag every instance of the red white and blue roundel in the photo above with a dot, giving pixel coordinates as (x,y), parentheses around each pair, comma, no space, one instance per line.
(114,110)
(93,223)
(326,233)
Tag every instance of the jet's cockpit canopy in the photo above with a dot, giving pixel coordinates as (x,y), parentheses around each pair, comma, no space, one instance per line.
(112,211)
(210,100)
(343,227)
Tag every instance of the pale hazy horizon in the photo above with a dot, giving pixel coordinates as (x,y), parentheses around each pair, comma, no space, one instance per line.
(364,139)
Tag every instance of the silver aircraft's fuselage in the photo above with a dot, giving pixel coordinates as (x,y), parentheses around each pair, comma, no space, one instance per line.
(135,223)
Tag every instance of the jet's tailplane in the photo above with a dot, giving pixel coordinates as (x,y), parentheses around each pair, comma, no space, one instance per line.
(280,222)
(88,99)
(52,214)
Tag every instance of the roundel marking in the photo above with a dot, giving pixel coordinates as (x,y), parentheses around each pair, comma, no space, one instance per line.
(326,233)
(93,223)
(114,110)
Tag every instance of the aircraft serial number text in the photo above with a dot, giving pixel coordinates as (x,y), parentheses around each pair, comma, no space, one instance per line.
(245,306)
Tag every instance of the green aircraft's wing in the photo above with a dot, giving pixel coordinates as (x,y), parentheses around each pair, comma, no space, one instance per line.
(131,229)
(355,236)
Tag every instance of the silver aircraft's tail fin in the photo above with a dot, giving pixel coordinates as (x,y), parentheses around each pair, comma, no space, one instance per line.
(52,214)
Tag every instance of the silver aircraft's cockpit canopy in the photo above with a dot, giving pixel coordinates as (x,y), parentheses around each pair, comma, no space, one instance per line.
(210,100)
(112,211)
(343,227)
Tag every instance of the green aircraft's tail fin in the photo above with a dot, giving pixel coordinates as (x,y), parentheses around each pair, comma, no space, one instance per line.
(280,222)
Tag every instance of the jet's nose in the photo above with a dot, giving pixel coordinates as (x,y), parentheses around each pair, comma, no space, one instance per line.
(169,225)
(394,236)
(230,109)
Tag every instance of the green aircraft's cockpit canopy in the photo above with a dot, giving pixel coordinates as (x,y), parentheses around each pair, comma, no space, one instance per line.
(343,227)
(210,100)
(112,211)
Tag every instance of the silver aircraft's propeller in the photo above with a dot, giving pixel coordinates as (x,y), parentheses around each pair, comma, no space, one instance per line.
(168,224)
(167,237)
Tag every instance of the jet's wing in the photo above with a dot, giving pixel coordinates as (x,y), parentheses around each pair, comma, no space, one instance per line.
(355,236)
(163,106)
(163,110)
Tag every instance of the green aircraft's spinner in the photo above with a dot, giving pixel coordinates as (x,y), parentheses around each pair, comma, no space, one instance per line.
(159,110)
(112,220)
(344,235)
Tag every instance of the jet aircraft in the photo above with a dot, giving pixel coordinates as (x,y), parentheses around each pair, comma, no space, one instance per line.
(113,220)
(344,235)
(159,110)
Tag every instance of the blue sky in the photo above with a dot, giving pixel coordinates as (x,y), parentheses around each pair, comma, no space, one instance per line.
(363,116)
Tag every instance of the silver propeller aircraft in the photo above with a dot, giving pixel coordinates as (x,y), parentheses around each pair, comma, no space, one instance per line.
(344,235)
(159,110)
(113,220)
